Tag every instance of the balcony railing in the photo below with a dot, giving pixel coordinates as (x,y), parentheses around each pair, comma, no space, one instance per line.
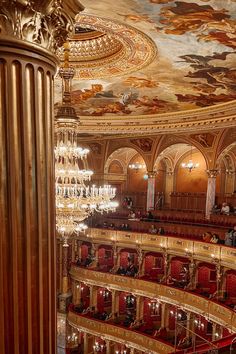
(204,251)
(191,302)
(119,334)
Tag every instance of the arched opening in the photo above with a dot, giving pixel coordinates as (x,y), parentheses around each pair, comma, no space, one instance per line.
(125,169)
(185,179)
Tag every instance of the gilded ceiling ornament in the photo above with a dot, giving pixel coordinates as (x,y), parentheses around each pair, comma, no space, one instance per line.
(43,22)
(110,48)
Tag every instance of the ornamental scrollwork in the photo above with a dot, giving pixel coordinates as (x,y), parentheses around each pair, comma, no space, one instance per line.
(46,23)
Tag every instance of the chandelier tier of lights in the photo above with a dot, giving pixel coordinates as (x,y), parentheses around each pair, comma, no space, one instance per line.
(75,199)
(136,166)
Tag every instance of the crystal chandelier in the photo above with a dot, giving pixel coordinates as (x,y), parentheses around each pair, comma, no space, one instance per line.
(75,199)
(190,165)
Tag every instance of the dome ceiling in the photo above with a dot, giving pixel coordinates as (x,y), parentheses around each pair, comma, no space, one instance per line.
(156,57)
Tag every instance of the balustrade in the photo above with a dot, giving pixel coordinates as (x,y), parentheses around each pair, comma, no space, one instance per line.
(208,252)
(222,257)
(119,334)
(180,298)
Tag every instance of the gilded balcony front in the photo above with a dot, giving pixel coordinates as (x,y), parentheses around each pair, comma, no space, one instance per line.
(202,251)
(118,334)
(181,298)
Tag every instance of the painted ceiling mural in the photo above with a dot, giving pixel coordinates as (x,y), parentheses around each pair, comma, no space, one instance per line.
(195,64)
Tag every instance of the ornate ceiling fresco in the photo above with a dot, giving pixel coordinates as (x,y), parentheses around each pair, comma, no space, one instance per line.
(159,56)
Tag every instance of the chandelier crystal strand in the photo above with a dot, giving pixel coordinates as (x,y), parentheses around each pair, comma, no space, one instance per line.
(75,199)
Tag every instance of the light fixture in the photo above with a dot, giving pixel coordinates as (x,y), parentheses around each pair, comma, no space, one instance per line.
(137,166)
(98,347)
(75,199)
(190,165)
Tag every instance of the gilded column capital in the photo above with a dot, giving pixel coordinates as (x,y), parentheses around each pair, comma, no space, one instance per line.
(46,23)
(152,174)
(212,173)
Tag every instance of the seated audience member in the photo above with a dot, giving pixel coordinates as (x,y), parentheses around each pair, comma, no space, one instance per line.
(153,229)
(78,261)
(131,215)
(88,260)
(225,209)
(131,270)
(105,225)
(128,319)
(121,271)
(161,231)
(129,203)
(215,209)
(126,227)
(122,227)
(149,215)
(104,316)
(214,239)
(229,237)
(234,237)
(79,308)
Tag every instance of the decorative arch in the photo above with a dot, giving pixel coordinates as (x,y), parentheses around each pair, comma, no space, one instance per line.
(170,140)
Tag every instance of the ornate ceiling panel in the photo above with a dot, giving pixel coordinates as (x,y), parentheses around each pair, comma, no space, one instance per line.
(170,59)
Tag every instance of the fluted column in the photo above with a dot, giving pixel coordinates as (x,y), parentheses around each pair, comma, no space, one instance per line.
(167,263)
(140,261)
(222,288)
(169,187)
(219,275)
(85,342)
(192,274)
(108,346)
(115,302)
(164,315)
(93,296)
(211,191)
(79,248)
(30,32)
(139,307)
(94,253)
(151,191)
(64,270)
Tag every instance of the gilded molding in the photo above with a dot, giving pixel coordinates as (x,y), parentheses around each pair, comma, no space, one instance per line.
(121,50)
(119,334)
(46,23)
(198,250)
(184,299)
(201,119)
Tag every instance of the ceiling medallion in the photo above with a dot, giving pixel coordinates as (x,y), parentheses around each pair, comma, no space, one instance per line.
(103,47)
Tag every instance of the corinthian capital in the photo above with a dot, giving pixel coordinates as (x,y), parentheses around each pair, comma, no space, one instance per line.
(43,22)
(212,173)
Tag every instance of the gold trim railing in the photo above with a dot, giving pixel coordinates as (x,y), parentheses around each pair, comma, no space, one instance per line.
(203,251)
(190,302)
(118,334)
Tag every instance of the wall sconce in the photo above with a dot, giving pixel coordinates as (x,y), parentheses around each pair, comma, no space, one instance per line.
(98,347)
(188,252)
(214,258)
